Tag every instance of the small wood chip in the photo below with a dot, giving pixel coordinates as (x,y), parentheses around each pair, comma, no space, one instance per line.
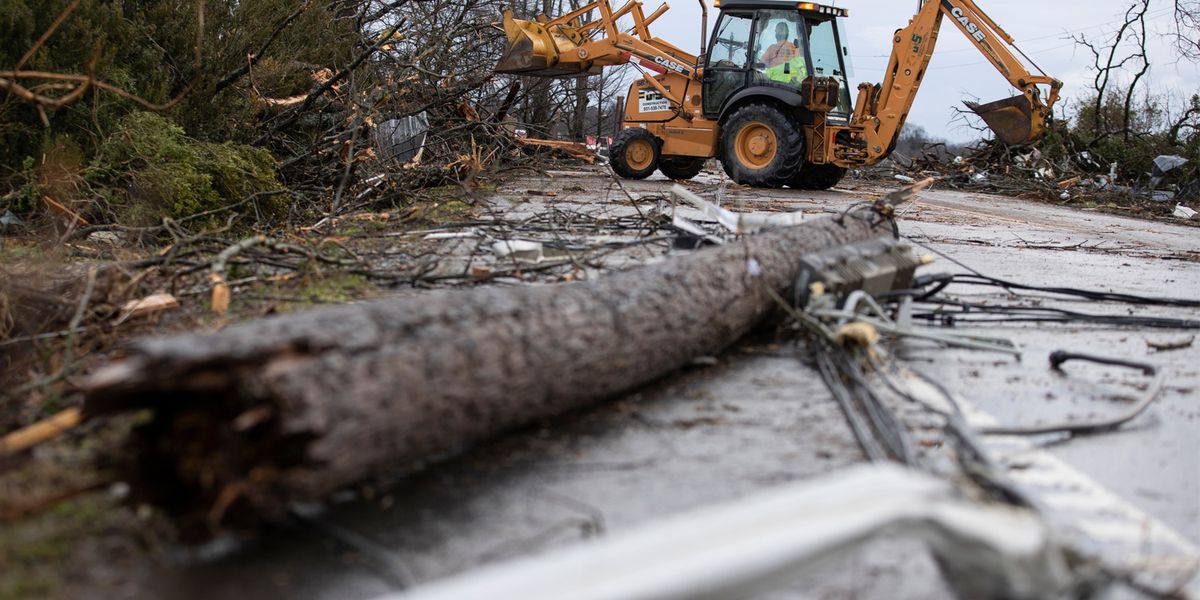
(220,294)
(40,432)
(149,305)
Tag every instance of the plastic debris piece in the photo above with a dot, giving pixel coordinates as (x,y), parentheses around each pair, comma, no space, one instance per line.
(695,230)
(1167,163)
(452,235)
(522,250)
(1162,195)
(1184,212)
(10,220)
(737,223)
(905,179)
(753,267)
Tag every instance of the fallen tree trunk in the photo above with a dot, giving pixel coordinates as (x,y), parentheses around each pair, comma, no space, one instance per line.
(294,407)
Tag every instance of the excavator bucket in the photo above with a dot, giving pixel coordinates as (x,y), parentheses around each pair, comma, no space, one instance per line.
(539,51)
(1011,118)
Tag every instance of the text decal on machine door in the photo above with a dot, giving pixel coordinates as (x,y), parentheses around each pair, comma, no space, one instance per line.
(652,101)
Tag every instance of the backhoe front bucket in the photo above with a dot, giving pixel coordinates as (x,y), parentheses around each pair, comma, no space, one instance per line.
(538,51)
(1011,119)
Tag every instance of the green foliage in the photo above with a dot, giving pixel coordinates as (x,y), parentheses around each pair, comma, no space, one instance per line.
(27,190)
(147,48)
(166,173)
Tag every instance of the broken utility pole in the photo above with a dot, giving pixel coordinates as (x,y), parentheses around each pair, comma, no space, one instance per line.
(294,407)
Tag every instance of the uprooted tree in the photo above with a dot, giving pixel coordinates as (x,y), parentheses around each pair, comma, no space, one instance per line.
(305,81)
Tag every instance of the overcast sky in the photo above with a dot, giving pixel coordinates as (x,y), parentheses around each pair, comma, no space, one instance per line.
(958,71)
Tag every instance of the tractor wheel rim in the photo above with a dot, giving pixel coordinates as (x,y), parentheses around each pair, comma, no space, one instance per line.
(756,145)
(639,155)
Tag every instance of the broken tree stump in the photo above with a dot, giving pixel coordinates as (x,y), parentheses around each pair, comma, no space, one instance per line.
(294,407)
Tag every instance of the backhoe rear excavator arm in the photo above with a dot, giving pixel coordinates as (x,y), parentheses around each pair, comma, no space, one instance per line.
(881,111)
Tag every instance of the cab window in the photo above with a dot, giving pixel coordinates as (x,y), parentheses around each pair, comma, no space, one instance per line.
(731,45)
(728,60)
(827,58)
(779,58)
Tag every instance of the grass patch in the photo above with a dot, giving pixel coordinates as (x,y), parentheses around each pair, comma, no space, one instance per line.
(449,211)
(332,289)
(34,553)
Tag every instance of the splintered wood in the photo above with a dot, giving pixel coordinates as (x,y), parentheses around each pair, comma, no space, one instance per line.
(573,149)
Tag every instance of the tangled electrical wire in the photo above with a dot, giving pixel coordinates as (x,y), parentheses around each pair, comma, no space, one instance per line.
(929,305)
(852,365)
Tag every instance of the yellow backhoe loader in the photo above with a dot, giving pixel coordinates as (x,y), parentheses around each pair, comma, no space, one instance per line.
(770,96)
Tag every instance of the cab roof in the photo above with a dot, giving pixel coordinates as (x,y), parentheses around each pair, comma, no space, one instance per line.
(809,8)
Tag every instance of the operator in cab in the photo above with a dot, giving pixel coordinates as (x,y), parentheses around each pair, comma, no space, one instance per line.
(782,61)
(782,50)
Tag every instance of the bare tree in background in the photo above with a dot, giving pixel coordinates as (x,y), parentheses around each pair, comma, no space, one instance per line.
(1125,51)
(1187,28)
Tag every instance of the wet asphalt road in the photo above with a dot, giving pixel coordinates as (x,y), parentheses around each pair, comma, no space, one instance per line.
(759,417)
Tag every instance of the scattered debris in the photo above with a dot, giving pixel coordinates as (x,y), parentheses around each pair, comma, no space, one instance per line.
(149,305)
(1172,345)
(737,223)
(1184,212)
(1165,164)
(571,149)
(1070,182)
(1074,179)
(522,250)
(110,238)
(403,140)
(698,235)
(8,219)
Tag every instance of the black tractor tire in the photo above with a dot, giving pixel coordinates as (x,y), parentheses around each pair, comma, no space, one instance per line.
(765,160)
(634,153)
(680,167)
(817,177)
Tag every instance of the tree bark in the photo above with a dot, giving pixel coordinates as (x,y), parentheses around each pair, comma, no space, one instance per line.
(294,407)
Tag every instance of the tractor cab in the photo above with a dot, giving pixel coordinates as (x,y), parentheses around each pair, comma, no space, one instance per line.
(764,47)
